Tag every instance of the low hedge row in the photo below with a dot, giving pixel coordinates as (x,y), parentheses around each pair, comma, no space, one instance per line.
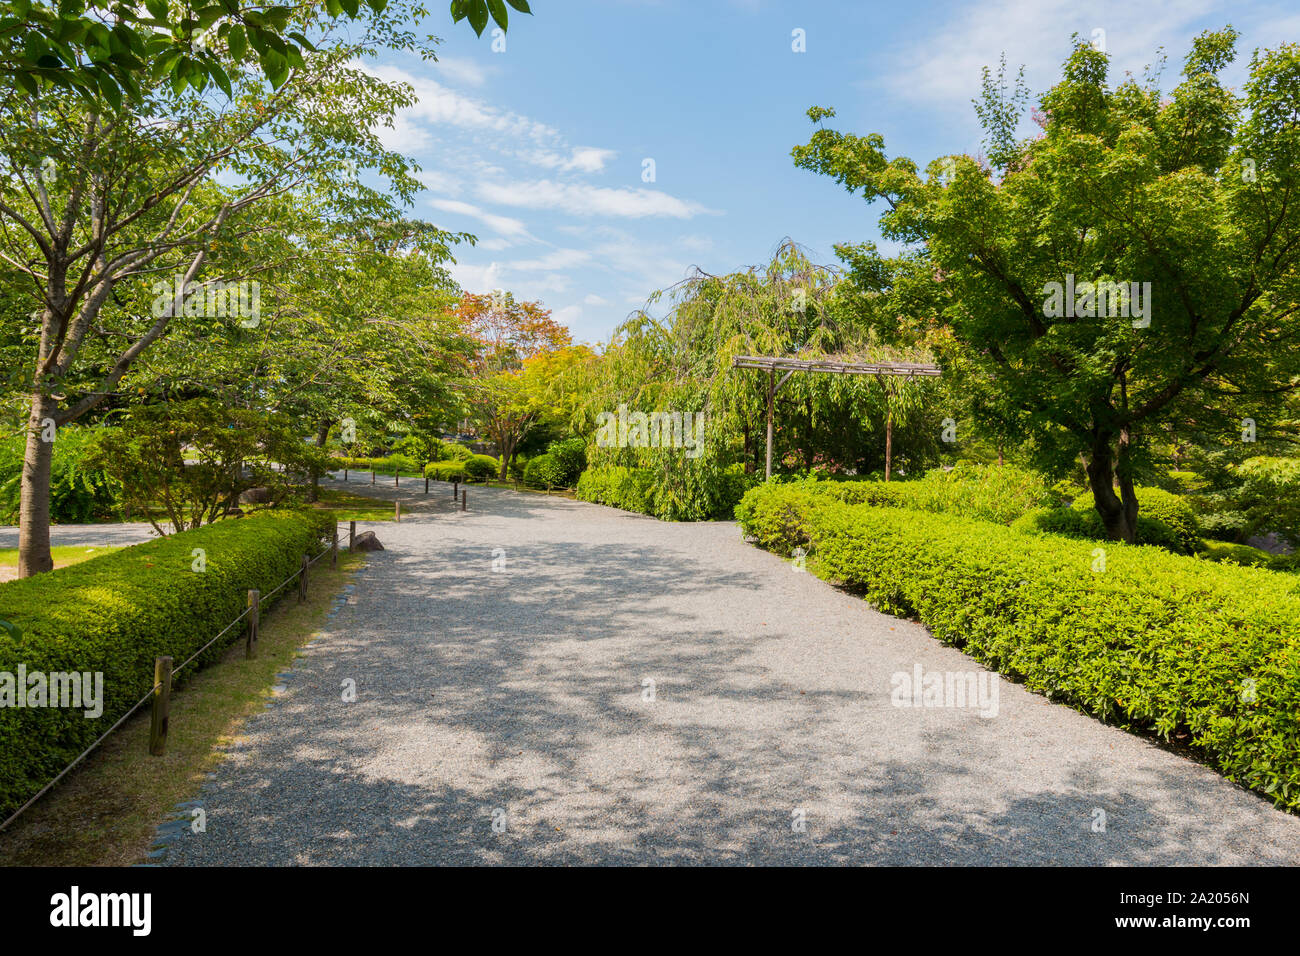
(692,492)
(481,467)
(382,466)
(1156,641)
(114,614)
(999,493)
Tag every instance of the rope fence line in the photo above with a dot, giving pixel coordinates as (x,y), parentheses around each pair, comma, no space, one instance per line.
(156,745)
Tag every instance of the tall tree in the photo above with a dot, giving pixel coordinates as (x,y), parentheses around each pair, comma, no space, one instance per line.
(1129,267)
(137,198)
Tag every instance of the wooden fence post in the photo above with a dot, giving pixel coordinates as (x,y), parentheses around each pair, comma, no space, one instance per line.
(397,474)
(352,534)
(302,581)
(254,619)
(162,702)
(372,476)
(464,495)
(426,484)
(455,489)
(334,546)
(397,511)
(345,474)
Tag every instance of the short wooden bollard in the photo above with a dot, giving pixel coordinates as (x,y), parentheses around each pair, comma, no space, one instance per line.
(345,474)
(302,581)
(352,535)
(334,547)
(516,484)
(254,619)
(455,489)
(397,511)
(372,476)
(464,495)
(162,703)
(396,475)
(426,484)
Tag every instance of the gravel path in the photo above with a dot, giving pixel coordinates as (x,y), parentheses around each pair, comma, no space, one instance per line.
(519,696)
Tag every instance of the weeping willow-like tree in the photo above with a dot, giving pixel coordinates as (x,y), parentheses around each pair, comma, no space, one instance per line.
(682,361)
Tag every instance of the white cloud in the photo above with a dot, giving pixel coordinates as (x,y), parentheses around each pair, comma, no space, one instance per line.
(440,182)
(437,105)
(552,261)
(942,67)
(502,224)
(462,70)
(583,200)
(592,299)
(584,159)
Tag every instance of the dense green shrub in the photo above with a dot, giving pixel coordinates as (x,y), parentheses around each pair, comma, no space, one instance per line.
(447,470)
(544,471)
(482,467)
(381,466)
(453,451)
(627,488)
(1156,641)
(115,614)
(570,456)
(80,489)
(689,491)
(1237,554)
(1164,519)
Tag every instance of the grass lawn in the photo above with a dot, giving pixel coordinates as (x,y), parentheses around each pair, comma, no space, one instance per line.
(63,554)
(105,812)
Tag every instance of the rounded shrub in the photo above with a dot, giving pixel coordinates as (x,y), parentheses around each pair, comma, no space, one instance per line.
(544,471)
(482,467)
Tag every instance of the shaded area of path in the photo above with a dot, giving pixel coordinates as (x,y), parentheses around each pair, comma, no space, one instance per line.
(521,695)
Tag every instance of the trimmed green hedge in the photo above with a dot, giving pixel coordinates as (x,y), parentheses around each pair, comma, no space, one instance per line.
(1156,641)
(1000,493)
(545,471)
(114,614)
(482,467)
(382,466)
(693,492)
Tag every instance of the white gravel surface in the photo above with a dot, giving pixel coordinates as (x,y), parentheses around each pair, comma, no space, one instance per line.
(518,697)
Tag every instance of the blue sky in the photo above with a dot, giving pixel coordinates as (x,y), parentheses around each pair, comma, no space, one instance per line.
(539,149)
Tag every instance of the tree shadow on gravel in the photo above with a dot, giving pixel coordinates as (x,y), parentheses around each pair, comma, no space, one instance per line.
(525,692)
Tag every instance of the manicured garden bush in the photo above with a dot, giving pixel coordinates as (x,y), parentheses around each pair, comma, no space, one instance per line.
(446,471)
(453,451)
(1157,641)
(570,456)
(545,471)
(1237,554)
(382,466)
(114,614)
(482,467)
(618,487)
(688,492)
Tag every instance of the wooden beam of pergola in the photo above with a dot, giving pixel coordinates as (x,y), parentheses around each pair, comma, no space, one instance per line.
(790,365)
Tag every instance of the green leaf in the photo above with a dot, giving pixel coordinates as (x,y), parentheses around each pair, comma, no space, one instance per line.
(477,12)
(238,42)
(157,9)
(520,5)
(499,13)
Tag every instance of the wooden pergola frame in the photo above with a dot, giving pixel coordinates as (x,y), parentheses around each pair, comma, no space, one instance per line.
(790,365)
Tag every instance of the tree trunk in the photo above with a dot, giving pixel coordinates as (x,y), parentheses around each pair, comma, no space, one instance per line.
(999,453)
(889,442)
(34,520)
(1117,518)
(322,436)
